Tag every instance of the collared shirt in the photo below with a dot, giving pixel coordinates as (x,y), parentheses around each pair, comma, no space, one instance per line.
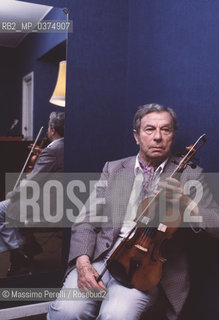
(134,199)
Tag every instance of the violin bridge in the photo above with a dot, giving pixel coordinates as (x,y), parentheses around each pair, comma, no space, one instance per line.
(162,227)
(141,248)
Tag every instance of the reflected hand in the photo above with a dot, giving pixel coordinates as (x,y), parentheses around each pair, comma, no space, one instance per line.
(8,195)
(37,150)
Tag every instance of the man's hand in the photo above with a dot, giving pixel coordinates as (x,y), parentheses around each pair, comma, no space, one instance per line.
(175,192)
(8,195)
(87,275)
(173,188)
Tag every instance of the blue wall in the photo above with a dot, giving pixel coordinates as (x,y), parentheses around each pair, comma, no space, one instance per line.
(172,59)
(97,55)
(8,89)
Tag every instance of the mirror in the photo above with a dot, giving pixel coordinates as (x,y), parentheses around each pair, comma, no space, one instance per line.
(29,62)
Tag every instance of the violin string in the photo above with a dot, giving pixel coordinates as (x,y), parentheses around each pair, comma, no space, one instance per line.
(150,230)
(147,233)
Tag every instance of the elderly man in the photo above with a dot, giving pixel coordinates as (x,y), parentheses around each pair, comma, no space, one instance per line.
(154,131)
(51,159)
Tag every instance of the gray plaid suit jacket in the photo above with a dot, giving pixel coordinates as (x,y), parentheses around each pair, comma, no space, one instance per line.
(96,240)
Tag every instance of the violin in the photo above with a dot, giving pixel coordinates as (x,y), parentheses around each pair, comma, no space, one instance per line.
(137,261)
(36,152)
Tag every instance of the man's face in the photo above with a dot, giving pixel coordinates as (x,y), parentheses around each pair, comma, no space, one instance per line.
(155,137)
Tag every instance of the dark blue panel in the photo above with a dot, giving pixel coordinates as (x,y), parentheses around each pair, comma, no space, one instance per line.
(173,60)
(96,84)
(8,90)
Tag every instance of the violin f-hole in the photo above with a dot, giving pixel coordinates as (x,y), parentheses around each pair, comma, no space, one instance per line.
(133,267)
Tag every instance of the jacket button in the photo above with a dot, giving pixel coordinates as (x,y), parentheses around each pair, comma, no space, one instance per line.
(107,245)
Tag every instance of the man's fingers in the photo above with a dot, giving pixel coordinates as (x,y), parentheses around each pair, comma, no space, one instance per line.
(177,188)
(101,284)
(173,181)
(173,189)
(91,284)
(87,278)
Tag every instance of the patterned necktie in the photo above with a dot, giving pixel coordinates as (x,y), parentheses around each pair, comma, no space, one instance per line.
(147,174)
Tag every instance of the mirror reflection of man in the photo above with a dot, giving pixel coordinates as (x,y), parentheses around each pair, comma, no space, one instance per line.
(51,159)
(91,245)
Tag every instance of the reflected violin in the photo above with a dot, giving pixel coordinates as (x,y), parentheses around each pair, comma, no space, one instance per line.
(28,157)
(36,152)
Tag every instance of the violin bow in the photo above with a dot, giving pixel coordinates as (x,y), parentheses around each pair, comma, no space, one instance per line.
(28,157)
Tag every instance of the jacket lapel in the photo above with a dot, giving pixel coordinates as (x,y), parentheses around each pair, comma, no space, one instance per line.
(121,187)
(169,168)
